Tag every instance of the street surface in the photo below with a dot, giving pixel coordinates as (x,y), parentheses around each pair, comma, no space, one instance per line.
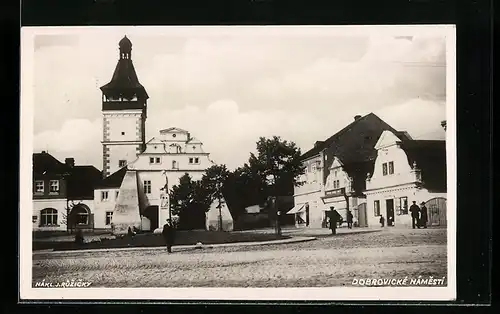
(327,261)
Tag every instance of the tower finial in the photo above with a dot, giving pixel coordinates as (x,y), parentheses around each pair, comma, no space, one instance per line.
(125,48)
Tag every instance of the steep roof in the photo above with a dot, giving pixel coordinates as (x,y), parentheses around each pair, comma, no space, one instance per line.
(430,158)
(354,145)
(46,163)
(82,181)
(124,80)
(114,180)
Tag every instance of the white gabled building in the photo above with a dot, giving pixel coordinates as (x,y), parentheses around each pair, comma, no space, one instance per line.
(135,195)
(407,171)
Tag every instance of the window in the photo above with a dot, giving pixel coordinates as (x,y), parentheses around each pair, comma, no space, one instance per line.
(109,216)
(391,167)
(81,215)
(123,133)
(54,186)
(384,169)
(174,135)
(191,160)
(194,147)
(104,196)
(336,184)
(403,205)
(34,218)
(196,160)
(39,186)
(335,173)
(376,208)
(147,186)
(154,160)
(174,164)
(49,217)
(116,195)
(122,163)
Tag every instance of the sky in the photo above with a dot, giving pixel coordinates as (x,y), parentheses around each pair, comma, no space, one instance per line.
(229,86)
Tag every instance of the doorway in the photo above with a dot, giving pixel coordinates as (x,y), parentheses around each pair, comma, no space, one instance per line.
(389,207)
(151,212)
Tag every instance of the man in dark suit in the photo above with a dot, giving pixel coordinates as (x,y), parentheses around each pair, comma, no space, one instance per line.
(334,219)
(423,216)
(169,235)
(415,213)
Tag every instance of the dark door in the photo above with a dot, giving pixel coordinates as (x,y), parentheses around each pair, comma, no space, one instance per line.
(151,212)
(436,211)
(389,205)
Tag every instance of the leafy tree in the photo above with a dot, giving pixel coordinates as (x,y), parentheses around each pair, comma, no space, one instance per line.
(189,200)
(278,165)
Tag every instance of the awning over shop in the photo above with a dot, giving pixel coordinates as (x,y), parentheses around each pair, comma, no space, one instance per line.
(296,209)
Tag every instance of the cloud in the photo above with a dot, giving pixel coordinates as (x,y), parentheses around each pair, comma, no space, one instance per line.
(78,138)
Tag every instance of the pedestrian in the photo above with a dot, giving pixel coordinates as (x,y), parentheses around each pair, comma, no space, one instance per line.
(423,216)
(349,219)
(334,218)
(382,221)
(169,235)
(415,213)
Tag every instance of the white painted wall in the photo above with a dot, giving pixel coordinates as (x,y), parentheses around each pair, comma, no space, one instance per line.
(60,206)
(103,206)
(127,122)
(121,152)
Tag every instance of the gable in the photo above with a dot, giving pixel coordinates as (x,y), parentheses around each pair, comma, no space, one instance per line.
(173,130)
(336,163)
(386,139)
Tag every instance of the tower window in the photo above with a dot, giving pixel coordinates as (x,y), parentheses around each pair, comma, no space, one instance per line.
(123,133)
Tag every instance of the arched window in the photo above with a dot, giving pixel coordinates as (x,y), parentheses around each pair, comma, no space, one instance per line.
(80,215)
(174,164)
(48,217)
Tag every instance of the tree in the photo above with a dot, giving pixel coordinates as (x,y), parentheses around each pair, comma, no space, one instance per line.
(189,200)
(278,165)
(214,181)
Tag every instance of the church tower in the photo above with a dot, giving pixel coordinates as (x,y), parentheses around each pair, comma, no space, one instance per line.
(124,109)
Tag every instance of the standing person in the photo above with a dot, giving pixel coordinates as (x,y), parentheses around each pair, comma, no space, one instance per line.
(382,221)
(415,213)
(334,218)
(423,215)
(168,234)
(349,219)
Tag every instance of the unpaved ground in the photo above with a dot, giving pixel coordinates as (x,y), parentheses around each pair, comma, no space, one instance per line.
(328,261)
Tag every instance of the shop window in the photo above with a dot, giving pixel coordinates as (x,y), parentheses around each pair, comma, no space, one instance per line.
(376,208)
(403,205)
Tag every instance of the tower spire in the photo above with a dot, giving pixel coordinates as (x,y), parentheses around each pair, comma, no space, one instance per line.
(125,48)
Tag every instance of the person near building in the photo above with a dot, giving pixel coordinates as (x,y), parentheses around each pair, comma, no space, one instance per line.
(349,217)
(382,221)
(334,218)
(415,214)
(423,216)
(169,235)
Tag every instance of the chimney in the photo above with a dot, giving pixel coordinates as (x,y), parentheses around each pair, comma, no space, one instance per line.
(70,162)
(357,117)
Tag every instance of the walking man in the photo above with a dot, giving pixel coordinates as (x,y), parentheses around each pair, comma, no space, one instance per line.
(415,212)
(423,215)
(169,235)
(349,219)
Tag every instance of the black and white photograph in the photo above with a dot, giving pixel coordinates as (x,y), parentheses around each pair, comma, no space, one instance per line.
(238,163)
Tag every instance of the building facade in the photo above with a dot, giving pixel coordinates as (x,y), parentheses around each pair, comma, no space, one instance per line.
(124,111)
(406,171)
(335,173)
(142,186)
(62,194)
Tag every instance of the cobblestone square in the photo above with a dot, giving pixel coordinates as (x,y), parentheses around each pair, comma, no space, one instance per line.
(325,262)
